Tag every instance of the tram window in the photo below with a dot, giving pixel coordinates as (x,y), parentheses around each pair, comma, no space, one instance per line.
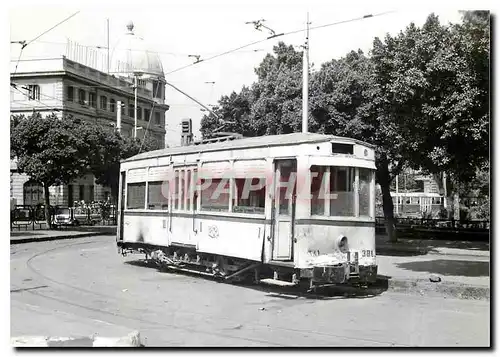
(158,195)
(188,193)
(180,191)
(365,178)
(250,195)
(342,191)
(318,190)
(176,191)
(136,195)
(215,195)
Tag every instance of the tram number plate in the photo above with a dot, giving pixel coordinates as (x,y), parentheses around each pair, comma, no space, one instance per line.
(367,253)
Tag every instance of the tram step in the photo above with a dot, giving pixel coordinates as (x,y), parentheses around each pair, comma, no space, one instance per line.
(277,282)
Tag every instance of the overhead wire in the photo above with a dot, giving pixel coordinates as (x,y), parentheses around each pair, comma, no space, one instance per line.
(24,44)
(279,35)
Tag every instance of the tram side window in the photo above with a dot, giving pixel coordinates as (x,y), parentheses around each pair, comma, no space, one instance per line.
(176,191)
(158,195)
(365,178)
(342,191)
(136,195)
(215,195)
(318,175)
(250,195)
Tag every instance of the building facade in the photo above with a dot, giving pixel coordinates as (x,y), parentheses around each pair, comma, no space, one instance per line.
(66,86)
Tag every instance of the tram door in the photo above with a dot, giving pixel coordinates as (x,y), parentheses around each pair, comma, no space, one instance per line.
(284,208)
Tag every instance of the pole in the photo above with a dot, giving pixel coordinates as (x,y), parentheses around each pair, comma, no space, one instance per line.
(135,106)
(397,194)
(305,81)
(108,44)
(119,116)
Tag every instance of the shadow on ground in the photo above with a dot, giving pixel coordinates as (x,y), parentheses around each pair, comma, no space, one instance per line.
(287,293)
(26,233)
(401,250)
(449,267)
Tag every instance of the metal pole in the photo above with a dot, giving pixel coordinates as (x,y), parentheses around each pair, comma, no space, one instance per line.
(108,44)
(305,80)
(119,116)
(135,106)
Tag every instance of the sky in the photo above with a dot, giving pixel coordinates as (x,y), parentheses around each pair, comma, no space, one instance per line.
(178,29)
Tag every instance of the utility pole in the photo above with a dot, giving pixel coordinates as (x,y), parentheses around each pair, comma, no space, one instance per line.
(305,81)
(108,43)
(136,74)
(119,116)
(135,106)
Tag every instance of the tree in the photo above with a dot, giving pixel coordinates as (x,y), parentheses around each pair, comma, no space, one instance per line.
(234,110)
(106,148)
(50,150)
(272,105)
(434,83)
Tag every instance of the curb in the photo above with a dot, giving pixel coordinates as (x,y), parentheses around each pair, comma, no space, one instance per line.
(50,238)
(449,289)
(133,339)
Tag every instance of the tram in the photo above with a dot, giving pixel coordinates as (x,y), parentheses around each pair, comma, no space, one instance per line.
(281,209)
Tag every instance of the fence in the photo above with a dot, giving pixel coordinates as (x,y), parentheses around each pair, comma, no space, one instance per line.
(33,217)
(438,228)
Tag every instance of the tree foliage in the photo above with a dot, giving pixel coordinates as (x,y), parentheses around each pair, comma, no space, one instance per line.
(106,149)
(422,97)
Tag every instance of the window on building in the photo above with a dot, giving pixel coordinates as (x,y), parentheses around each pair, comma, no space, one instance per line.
(139,113)
(157,92)
(70,93)
(112,105)
(136,195)
(157,118)
(82,193)
(32,193)
(34,92)
(104,102)
(81,96)
(93,100)
(147,113)
(158,195)
(131,110)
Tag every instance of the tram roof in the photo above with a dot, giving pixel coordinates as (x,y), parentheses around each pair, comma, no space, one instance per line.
(245,143)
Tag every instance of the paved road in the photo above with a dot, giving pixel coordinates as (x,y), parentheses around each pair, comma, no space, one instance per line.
(82,287)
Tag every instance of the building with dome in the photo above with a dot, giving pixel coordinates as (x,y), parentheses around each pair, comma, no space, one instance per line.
(74,84)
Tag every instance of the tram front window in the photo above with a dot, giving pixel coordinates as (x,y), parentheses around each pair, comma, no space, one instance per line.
(333,191)
(342,191)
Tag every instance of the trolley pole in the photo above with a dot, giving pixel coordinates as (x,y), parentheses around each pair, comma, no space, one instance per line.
(305,81)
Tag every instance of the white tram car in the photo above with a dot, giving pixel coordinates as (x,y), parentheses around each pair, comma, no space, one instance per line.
(284,209)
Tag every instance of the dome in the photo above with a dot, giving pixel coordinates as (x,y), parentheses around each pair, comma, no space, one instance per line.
(131,54)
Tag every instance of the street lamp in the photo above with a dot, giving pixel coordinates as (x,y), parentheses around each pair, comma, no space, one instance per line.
(136,75)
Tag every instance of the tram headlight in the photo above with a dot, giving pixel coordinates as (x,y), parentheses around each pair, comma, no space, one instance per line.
(342,244)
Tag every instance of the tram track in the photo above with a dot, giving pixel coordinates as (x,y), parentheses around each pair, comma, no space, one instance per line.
(132,307)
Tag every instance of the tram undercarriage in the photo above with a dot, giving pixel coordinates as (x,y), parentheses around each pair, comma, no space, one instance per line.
(234,270)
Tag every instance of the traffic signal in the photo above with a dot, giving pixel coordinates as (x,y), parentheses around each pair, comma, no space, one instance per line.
(187,126)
